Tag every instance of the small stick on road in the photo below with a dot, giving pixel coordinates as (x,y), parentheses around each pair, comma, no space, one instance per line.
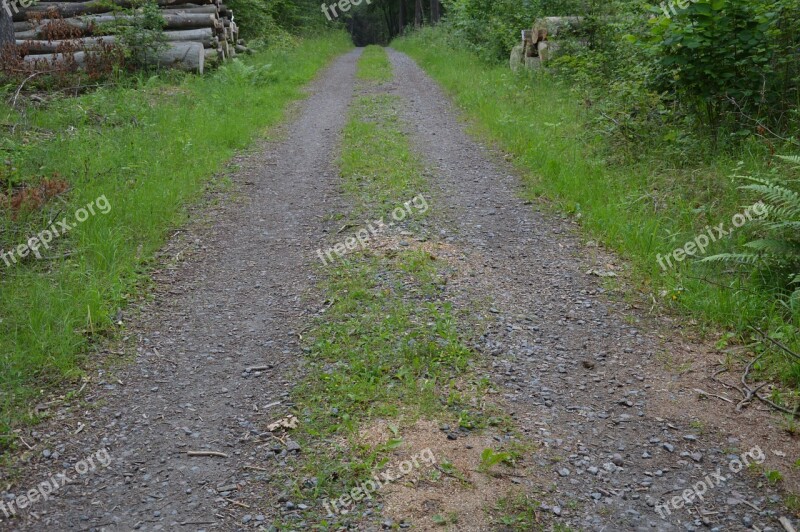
(206,453)
(702,392)
(237,503)
(787,525)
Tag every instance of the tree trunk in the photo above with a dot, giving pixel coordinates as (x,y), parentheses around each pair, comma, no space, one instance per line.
(435,11)
(418,13)
(6,28)
(385,10)
(401,17)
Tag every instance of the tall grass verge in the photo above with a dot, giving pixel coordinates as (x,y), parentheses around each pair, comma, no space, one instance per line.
(150,146)
(642,209)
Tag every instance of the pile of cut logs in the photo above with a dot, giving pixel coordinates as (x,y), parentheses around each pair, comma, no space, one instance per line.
(196,31)
(538,44)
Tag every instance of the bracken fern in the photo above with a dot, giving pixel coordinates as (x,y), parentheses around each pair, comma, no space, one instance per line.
(779,249)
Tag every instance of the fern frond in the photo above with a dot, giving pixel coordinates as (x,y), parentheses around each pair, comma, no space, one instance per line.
(739,258)
(793,225)
(777,194)
(795,159)
(780,248)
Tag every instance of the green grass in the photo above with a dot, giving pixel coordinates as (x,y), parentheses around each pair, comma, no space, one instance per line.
(150,146)
(640,209)
(374,65)
(377,164)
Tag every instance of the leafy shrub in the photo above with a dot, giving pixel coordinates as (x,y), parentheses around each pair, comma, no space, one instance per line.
(141,33)
(273,22)
(724,56)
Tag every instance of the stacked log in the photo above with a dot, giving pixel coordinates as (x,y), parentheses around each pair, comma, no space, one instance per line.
(538,43)
(197,32)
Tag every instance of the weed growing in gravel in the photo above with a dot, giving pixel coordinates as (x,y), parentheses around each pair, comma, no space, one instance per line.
(517,512)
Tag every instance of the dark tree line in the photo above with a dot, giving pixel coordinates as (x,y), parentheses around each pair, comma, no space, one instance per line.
(382,20)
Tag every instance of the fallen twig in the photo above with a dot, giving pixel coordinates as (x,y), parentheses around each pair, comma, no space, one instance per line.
(26,80)
(754,392)
(749,393)
(256,468)
(237,503)
(207,453)
(698,390)
(787,525)
(750,504)
(777,343)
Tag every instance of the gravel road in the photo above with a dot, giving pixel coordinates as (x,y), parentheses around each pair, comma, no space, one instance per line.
(605,387)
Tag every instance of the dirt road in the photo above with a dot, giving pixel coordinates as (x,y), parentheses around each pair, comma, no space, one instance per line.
(604,391)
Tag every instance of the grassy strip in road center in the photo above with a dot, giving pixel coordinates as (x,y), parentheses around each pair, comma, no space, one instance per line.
(387,346)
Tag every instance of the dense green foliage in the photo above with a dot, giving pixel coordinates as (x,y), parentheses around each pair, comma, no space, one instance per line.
(731,60)
(274,22)
(776,252)
(142,35)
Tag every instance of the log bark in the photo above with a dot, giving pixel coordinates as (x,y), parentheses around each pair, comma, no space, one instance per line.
(66,10)
(51,47)
(195,10)
(515,61)
(547,50)
(180,21)
(204,36)
(72,9)
(78,57)
(183,56)
(176,21)
(549,27)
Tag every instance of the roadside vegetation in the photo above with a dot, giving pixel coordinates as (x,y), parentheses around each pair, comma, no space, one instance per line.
(650,133)
(150,145)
